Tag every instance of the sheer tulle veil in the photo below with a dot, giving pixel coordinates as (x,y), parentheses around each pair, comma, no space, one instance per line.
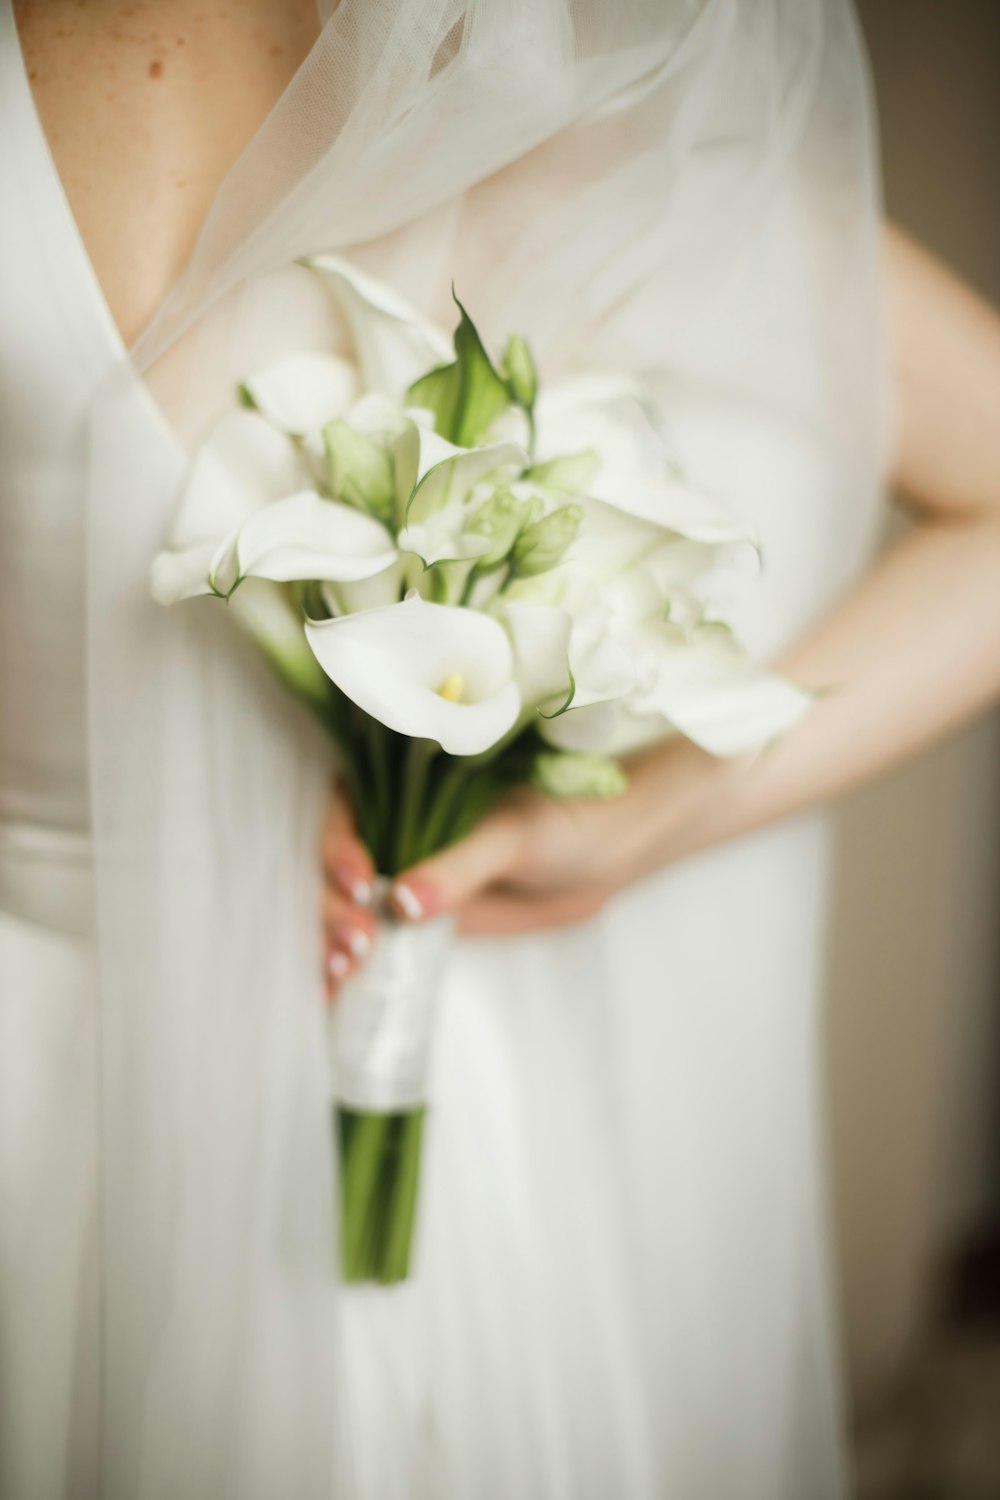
(596,176)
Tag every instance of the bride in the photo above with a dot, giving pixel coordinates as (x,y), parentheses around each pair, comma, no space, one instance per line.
(622,1283)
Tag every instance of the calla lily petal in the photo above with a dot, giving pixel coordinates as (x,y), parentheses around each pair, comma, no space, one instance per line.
(386,587)
(607,415)
(540,635)
(676,507)
(603,413)
(302,393)
(268,615)
(417,450)
(455,476)
(185,574)
(708,689)
(441,538)
(394,344)
(307,537)
(242,465)
(592,729)
(425,670)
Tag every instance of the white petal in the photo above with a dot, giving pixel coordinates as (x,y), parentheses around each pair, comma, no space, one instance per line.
(715,695)
(602,412)
(607,414)
(603,668)
(540,637)
(183,575)
(601,654)
(380,589)
(610,542)
(673,505)
(391,663)
(242,464)
(456,474)
(440,538)
(416,450)
(591,728)
(302,393)
(307,537)
(394,344)
(264,610)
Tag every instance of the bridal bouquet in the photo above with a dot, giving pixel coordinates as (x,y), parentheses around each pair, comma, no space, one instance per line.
(475,583)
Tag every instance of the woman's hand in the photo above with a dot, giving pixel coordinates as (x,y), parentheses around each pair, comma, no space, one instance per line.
(534,862)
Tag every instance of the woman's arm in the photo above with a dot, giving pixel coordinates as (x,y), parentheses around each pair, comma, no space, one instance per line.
(912,652)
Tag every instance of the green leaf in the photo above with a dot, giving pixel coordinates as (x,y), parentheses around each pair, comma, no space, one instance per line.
(465,397)
(360,469)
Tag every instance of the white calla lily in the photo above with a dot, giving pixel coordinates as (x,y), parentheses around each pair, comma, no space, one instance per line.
(442,537)
(425,670)
(393,343)
(432,473)
(184,574)
(306,537)
(302,393)
(243,465)
(435,481)
(698,683)
(704,685)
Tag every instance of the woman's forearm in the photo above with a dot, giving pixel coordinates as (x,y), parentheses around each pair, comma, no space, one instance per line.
(913,652)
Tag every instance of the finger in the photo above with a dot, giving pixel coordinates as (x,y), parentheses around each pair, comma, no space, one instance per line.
(339,966)
(447,880)
(347,862)
(498,912)
(348,924)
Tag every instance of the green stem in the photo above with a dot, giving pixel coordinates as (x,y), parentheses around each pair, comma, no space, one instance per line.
(420,753)
(375,736)
(399,1231)
(364,1148)
(452,782)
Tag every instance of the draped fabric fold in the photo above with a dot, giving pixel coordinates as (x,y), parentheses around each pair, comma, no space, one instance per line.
(684,189)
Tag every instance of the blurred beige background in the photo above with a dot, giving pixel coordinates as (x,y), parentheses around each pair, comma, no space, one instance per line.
(914,1001)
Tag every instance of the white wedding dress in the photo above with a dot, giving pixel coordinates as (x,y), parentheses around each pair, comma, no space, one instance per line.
(621,1284)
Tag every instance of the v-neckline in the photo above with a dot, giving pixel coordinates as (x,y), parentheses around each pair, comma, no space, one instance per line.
(108,325)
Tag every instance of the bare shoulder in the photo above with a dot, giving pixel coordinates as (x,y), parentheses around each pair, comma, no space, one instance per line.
(946,358)
(145,106)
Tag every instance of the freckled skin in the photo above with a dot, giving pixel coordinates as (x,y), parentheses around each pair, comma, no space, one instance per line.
(146,105)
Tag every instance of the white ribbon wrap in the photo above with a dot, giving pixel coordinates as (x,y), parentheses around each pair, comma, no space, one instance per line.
(382,1021)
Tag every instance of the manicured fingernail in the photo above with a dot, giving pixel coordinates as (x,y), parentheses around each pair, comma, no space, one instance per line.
(415,898)
(353,885)
(340,965)
(359,942)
